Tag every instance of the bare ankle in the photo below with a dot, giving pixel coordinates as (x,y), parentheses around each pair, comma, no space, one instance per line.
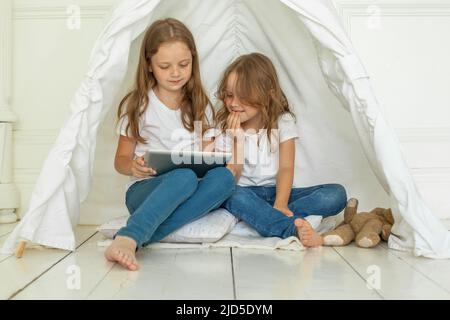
(126,240)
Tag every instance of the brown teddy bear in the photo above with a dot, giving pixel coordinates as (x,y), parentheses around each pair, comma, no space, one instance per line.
(365,228)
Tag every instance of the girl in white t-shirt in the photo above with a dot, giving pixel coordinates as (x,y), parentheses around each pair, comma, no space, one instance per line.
(258,126)
(167,110)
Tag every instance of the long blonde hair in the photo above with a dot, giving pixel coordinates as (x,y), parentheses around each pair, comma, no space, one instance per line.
(194,101)
(257,85)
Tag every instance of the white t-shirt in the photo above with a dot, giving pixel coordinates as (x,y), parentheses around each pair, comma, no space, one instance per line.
(261,162)
(163,129)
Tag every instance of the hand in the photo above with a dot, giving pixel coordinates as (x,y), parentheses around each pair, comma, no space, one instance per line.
(139,170)
(236,133)
(234,125)
(284,209)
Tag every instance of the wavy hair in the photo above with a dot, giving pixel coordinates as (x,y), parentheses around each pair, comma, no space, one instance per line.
(256,85)
(195,100)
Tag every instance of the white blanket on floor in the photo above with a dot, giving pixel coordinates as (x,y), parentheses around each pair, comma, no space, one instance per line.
(244,236)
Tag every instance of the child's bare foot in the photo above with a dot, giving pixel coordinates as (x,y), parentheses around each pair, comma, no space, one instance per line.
(308,237)
(122,250)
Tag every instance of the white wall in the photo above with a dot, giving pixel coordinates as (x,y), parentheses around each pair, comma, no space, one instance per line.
(50,56)
(404,44)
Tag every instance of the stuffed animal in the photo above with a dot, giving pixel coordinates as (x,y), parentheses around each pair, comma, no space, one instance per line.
(365,228)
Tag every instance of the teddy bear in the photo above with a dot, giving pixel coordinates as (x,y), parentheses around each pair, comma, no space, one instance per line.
(365,228)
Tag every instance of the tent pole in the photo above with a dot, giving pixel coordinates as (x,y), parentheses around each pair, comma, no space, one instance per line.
(20,249)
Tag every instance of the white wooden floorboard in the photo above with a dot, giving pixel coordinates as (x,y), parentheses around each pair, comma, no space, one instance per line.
(171,274)
(325,273)
(7,228)
(437,270)
(72,278)
(312,274)
(397,279)
(16,274)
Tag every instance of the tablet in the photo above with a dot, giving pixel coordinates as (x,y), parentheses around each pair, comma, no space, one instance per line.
(200,162)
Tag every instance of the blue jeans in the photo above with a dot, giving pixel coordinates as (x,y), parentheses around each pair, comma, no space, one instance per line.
(165,203)
(254,205)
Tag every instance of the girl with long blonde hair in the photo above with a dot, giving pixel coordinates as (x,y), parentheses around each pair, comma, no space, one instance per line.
(162,112)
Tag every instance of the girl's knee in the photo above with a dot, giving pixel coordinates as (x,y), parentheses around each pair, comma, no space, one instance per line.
(341,195)
(336,197)
(335,189)
(184,177)
(225,176)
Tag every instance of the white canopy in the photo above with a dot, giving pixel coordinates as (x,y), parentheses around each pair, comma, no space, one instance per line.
(352,145)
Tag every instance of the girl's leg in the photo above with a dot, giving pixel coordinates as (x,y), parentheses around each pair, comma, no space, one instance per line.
(215,187)
(258,213)
(154,200)
(324,200)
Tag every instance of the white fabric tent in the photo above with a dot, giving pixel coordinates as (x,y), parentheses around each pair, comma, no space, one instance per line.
(344,137)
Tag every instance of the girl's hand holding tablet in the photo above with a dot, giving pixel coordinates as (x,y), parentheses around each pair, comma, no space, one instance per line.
(139,170)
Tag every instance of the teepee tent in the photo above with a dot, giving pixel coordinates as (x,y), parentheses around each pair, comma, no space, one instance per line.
(344,137)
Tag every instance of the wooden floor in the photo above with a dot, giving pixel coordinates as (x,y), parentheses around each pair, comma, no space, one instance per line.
(325,273)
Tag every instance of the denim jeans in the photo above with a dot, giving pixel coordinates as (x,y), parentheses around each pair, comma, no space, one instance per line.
(254,205)
(165,203)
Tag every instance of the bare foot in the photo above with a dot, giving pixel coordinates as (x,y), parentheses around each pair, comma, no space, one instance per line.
(122,250)
(308,237)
